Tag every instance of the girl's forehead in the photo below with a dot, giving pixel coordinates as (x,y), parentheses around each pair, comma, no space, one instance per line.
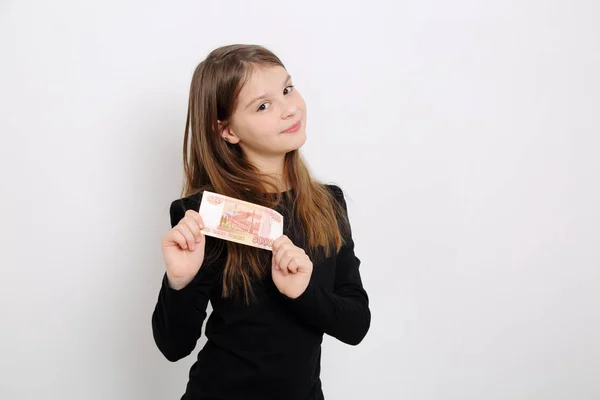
(262,81)
(265,75)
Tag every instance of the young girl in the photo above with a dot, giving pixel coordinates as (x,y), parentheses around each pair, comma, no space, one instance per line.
(245,124)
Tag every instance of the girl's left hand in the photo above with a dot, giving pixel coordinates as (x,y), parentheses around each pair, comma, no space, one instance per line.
(291,269)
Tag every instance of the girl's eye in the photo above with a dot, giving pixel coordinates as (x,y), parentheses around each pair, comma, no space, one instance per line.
(291,86)
(261,108)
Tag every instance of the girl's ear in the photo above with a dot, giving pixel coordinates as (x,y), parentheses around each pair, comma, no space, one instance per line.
(227,134)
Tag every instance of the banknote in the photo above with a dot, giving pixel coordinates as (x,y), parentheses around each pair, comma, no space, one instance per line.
(240,221)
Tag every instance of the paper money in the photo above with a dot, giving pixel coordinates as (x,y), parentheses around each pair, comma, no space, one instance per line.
(240,221)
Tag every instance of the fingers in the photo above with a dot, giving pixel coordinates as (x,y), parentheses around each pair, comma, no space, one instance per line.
(192,215)
(283,271)
(189,228)
(280,245)
(194,228)
(282,251)
(279,251)
(283,264)
(290,264)
(179,239)
(280,241)
(188,236)
(287,258)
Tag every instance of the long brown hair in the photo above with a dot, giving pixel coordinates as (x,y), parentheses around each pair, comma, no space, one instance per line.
(211,163)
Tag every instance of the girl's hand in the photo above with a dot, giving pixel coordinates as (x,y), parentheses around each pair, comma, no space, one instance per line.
(183,250)
(291,268)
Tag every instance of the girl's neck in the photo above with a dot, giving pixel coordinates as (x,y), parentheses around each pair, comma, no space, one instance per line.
(273,167)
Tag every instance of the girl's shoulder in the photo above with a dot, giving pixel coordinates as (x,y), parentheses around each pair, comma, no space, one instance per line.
(337,193)
(179,206)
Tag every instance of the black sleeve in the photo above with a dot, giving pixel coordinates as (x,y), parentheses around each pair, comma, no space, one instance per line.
(179,314)
(343,313)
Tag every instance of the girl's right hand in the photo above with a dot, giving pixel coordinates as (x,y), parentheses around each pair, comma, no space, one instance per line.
(183,250)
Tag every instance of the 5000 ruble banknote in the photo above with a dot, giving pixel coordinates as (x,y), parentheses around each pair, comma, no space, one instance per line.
(240,221)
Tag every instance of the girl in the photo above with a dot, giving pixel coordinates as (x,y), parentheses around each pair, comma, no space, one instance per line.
(245,125)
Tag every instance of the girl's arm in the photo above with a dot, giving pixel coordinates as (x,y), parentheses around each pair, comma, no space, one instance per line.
(343,313)
(179,314)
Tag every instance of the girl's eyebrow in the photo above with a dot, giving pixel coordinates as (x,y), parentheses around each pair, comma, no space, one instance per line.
(265,95)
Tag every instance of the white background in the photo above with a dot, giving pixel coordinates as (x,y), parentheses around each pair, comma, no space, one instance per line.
(465,135)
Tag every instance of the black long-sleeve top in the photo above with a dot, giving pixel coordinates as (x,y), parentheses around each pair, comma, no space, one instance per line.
(270,349)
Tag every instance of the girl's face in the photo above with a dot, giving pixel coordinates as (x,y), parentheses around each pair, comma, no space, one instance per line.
(267,106)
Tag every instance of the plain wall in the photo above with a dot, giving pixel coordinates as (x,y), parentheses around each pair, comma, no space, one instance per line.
(465,135)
